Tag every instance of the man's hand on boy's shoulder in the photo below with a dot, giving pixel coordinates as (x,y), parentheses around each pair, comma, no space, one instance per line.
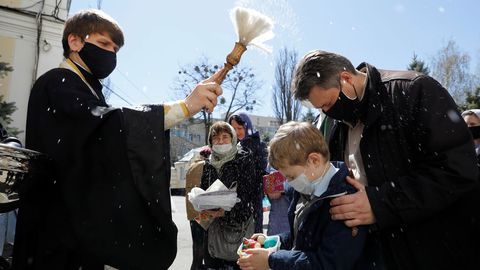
(354,209)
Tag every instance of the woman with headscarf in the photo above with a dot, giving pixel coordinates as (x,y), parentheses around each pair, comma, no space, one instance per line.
(250,140)
(232,166)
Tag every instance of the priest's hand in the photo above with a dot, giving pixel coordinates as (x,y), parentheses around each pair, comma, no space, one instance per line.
(204,96)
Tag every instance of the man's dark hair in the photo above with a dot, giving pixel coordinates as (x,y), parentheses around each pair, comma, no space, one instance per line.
(91,21)
(318,68)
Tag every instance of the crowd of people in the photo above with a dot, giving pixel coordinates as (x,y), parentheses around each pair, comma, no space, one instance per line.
(391,183)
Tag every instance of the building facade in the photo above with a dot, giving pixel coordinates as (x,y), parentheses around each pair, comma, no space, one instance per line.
(31,43)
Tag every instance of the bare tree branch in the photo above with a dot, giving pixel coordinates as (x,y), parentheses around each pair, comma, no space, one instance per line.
(285,107)
(451,68)
(240,87)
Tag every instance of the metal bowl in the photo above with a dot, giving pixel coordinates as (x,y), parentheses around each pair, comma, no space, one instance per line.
(15,166)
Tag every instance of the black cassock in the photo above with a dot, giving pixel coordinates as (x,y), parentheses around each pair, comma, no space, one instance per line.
(106,197)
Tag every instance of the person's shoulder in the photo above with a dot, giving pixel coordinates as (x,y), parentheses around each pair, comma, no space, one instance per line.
(243,153)
(411,83)
(57,73)
(56,77)
(395,75)
(338,183)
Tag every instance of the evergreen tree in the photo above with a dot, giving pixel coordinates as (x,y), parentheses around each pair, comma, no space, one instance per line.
(7,108)
(418,65)
(472,101)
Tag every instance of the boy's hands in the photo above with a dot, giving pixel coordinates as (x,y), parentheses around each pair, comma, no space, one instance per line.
(204,95)
(257,259)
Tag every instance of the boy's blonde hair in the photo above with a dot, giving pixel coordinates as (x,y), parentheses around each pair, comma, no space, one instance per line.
(293,142)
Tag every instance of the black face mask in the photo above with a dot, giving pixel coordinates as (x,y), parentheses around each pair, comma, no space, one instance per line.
(100,62)
(475,130)
(345,109)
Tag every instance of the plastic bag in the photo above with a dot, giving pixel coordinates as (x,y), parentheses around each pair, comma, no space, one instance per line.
(216,196)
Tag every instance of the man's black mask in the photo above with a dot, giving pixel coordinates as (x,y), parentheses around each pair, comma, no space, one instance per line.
(100,62)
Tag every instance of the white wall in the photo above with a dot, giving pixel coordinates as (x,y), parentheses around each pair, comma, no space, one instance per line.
(22,30)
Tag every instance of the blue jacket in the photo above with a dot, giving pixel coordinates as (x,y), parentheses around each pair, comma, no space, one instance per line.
(321,242)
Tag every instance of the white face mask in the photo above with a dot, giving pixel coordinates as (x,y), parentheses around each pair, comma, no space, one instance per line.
(221,148)
(302,184)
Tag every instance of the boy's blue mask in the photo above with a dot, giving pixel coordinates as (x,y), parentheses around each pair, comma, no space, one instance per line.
(100,61)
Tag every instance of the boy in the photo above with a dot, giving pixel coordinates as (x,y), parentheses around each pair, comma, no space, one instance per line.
(107,199)
(314,241)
